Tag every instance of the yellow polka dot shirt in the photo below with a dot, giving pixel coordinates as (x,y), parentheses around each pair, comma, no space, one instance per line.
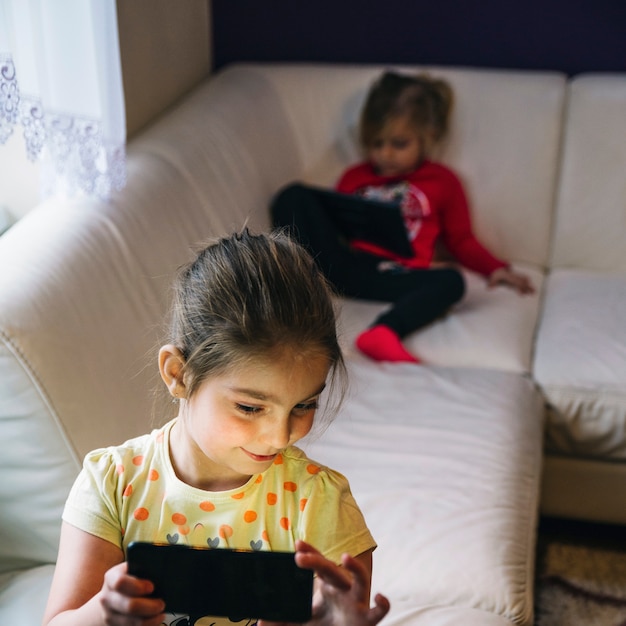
(130,493)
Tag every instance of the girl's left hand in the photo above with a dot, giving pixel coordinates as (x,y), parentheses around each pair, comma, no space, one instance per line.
(506,276)
(342,593)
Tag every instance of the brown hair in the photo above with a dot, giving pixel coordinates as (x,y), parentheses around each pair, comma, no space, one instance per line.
(246,296)
(425,100)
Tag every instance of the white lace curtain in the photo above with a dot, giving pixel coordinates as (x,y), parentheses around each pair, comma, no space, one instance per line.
(61,82)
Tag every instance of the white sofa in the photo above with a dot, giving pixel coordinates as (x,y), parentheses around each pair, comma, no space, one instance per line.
(447,460)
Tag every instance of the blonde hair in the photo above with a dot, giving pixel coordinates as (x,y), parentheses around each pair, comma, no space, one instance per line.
(426,101)
(247,296)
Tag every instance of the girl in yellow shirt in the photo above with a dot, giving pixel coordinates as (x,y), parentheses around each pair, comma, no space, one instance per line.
(252,346)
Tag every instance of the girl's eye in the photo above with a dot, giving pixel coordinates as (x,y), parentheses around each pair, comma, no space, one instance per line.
(305,407)
(249,410)
(400,145)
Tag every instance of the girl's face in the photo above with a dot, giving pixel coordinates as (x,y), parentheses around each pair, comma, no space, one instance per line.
(397,149)
(237,423)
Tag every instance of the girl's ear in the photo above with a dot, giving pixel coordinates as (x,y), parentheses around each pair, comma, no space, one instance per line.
(171,365)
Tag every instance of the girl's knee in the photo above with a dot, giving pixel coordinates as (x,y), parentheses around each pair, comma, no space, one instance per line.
(285,203)
(290,193)
(454,284)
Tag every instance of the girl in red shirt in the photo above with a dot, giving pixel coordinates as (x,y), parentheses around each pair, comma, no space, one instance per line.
(402,119)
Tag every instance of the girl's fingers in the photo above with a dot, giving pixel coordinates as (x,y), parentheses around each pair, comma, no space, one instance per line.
(360,577)
(379,610)
(124,596)
(326,570)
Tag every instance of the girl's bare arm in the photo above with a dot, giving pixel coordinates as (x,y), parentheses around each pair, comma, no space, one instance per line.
(91,585)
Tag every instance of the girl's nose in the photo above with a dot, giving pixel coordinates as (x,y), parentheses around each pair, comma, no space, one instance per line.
(278,433)
(386,151)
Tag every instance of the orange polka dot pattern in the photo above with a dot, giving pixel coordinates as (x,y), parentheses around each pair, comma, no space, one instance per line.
(141,499)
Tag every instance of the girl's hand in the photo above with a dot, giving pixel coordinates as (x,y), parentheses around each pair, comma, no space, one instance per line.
(342,593)
(123,599)
(506,276)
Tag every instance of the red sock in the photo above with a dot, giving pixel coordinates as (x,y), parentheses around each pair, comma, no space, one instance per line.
(383,344)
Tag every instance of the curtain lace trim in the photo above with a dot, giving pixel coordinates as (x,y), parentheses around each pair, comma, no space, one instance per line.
(80,161)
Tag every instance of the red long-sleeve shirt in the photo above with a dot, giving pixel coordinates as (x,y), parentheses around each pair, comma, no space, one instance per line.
(434,205)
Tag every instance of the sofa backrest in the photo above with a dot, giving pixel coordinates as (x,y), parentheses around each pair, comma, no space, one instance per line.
(504,141)
(590,228)
(84,293)
(84,284)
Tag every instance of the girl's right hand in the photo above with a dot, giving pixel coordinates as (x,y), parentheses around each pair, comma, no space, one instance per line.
(124,602)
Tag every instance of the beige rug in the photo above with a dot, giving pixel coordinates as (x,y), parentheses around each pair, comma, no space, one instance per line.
(578,585)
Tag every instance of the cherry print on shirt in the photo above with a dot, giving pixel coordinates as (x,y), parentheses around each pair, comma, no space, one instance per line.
(179,519)
(225,531)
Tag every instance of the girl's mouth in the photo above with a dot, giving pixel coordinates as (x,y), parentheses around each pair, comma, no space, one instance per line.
(260,458)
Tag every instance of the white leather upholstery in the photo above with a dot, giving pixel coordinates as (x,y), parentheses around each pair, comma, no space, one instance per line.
(581,363)
(580,358)
(24,594)
(590,220)
(439,472)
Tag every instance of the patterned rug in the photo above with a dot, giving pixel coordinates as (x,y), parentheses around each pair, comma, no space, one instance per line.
(580,585)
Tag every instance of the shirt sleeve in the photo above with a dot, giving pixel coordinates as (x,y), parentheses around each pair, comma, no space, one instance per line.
(458,236)
(92,503)
(353,178)
(332,521)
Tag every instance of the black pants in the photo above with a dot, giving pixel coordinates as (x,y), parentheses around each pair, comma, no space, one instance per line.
(419,296)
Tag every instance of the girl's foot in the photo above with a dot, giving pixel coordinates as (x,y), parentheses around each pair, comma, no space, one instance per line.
(383,344)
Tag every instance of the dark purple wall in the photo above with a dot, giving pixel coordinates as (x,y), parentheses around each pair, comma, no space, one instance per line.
(572,36)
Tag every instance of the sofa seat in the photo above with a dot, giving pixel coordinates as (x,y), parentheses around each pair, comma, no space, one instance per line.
(407,614)
(580,363)
(490,328)
(442,460)
(24,594)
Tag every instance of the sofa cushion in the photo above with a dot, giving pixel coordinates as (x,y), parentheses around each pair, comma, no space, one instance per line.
(37,466)
(24,595)
(590,218)
(490,328)
(580,363)
(408,614)
(445,464)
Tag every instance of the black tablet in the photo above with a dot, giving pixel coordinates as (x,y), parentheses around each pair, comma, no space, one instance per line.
(237,584)
(375,221)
